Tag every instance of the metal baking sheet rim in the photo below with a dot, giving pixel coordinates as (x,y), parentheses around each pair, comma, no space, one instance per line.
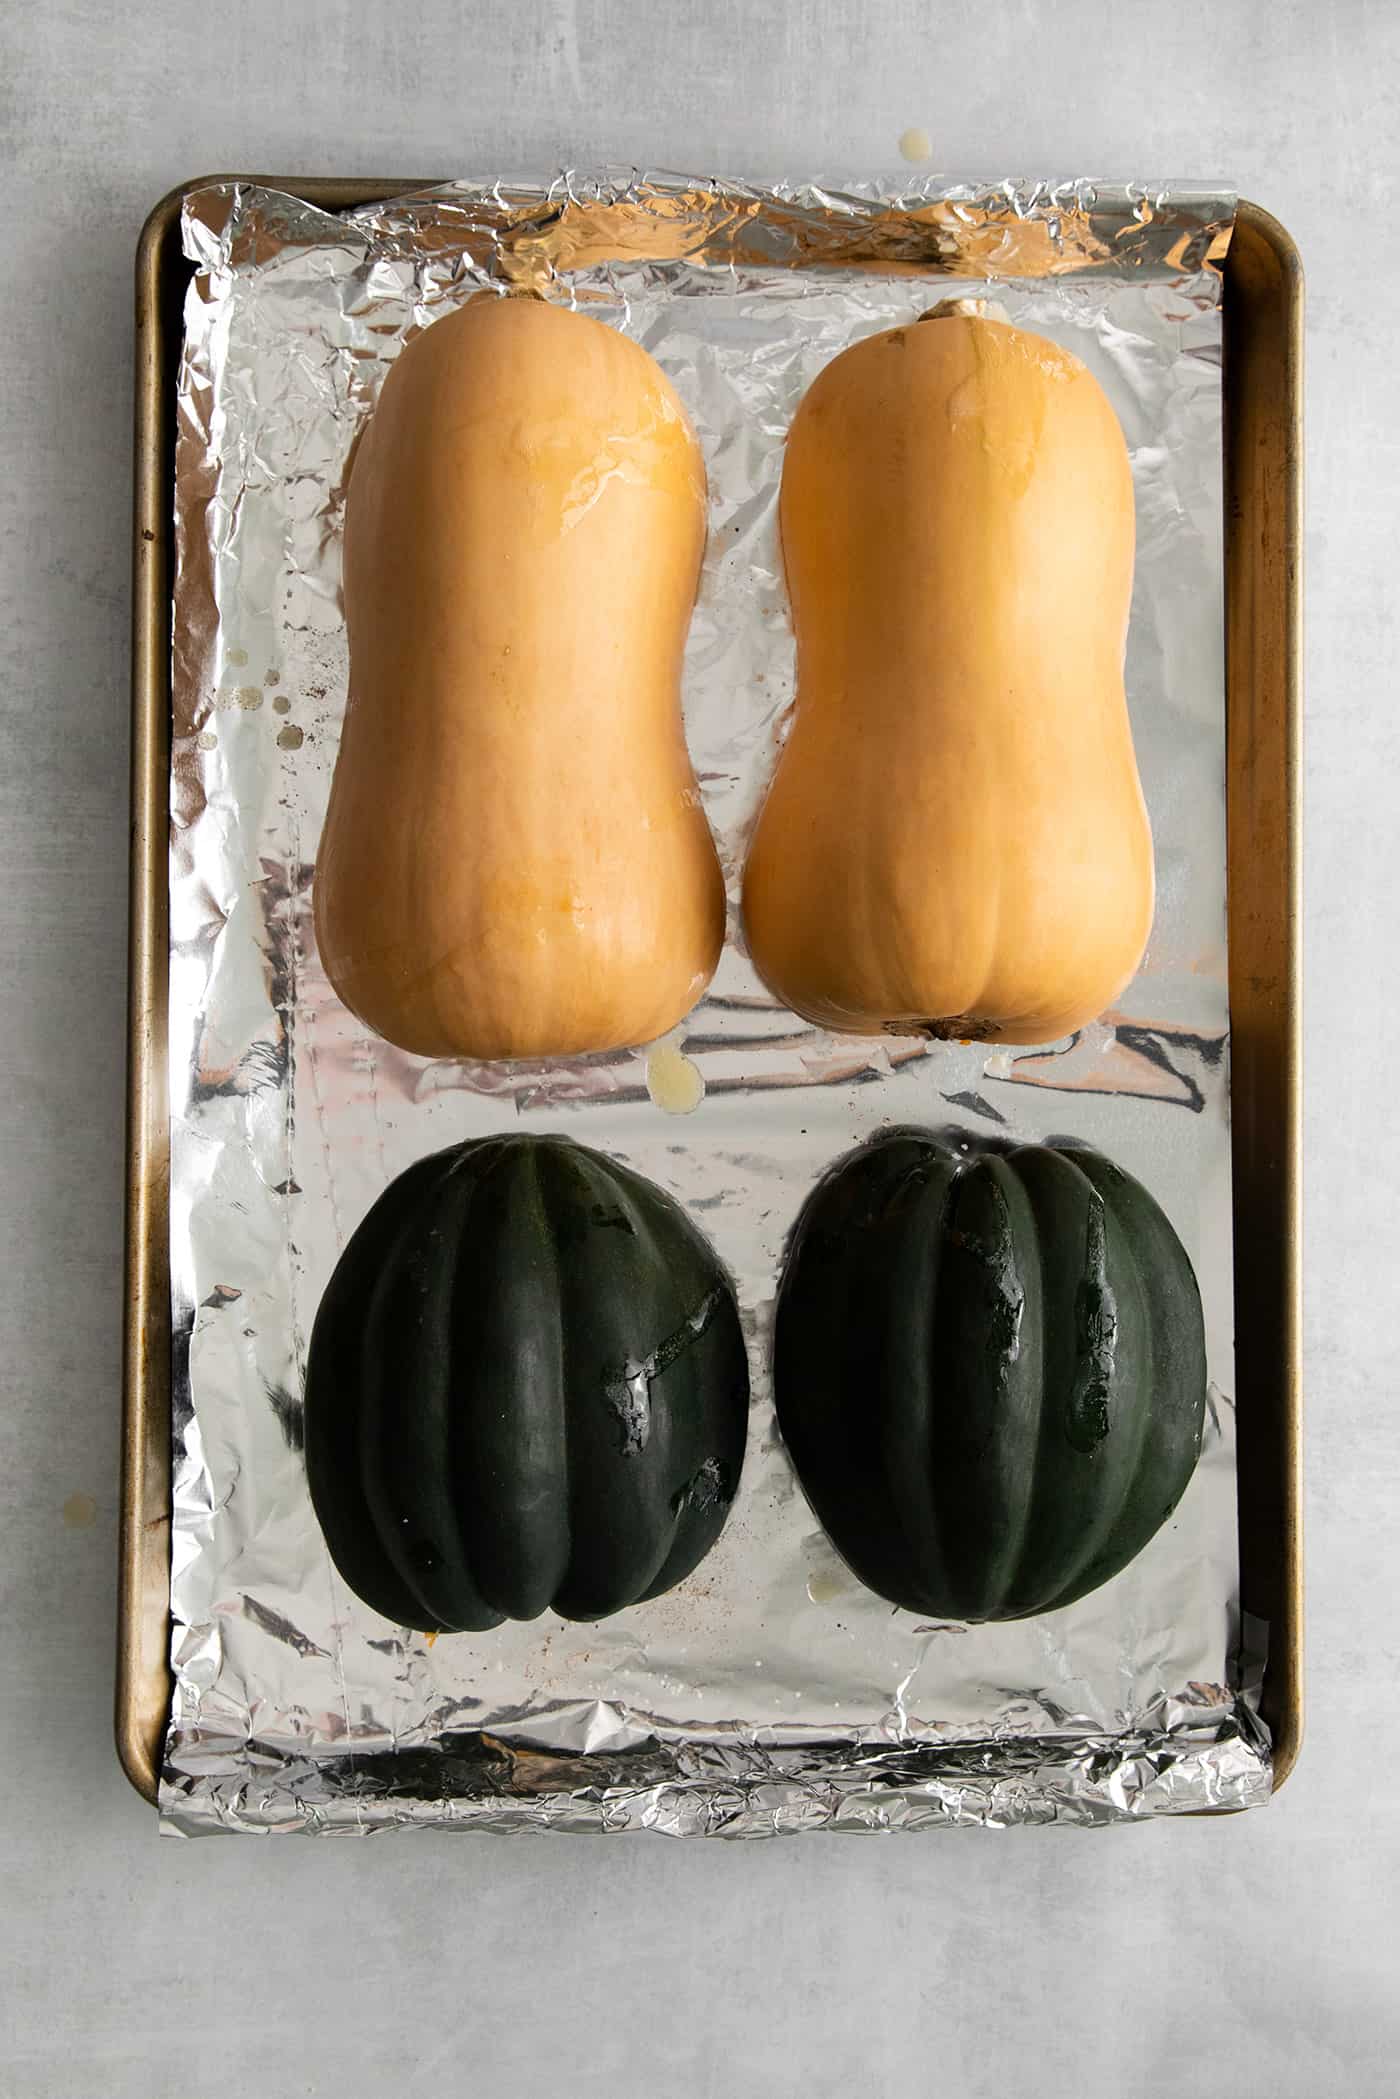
(1263,307)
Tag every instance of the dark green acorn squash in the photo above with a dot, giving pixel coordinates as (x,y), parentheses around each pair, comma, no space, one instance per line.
(527,1388)
(990,1371)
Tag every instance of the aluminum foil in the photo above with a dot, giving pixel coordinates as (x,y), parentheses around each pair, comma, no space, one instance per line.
(769,1692)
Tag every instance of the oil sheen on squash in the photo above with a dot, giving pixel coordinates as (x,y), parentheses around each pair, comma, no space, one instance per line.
(955,841)
(526,1389)
(990,1371)
(515,861)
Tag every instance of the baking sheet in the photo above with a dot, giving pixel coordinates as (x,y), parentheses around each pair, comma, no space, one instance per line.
(768,1691)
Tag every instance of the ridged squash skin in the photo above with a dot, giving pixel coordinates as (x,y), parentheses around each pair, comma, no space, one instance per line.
(526,1389)
(955,840)
(990,1372)
(515,861)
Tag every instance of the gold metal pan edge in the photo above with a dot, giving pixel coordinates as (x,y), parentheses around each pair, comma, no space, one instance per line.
(1263,305)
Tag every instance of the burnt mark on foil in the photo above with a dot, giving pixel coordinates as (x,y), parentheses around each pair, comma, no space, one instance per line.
(279,1628)
(975,1105)
(288,1413)
(222,1294)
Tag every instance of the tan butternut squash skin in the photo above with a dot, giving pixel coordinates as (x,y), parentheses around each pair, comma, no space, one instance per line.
(515,862)
(955,841)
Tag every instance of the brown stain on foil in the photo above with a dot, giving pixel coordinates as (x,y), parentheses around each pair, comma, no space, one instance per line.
(79,1512)
(532,250)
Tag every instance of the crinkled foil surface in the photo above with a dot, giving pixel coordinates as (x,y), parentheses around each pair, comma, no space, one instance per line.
(770,1692)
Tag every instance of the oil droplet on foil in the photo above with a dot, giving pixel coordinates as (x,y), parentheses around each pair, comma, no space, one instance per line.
(916,145)
(249,697)
(236,657)
(80,1512)
(206,740)
(281,705)
(290,738)
(675,1083)
(828,1577)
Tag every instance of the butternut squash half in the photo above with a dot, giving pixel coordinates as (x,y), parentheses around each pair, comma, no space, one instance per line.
(515,861)
(955,841)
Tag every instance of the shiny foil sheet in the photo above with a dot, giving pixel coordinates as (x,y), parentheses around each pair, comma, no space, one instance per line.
(770,1692)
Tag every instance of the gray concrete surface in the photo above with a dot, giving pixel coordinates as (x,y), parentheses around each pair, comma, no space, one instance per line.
(1257,1956)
